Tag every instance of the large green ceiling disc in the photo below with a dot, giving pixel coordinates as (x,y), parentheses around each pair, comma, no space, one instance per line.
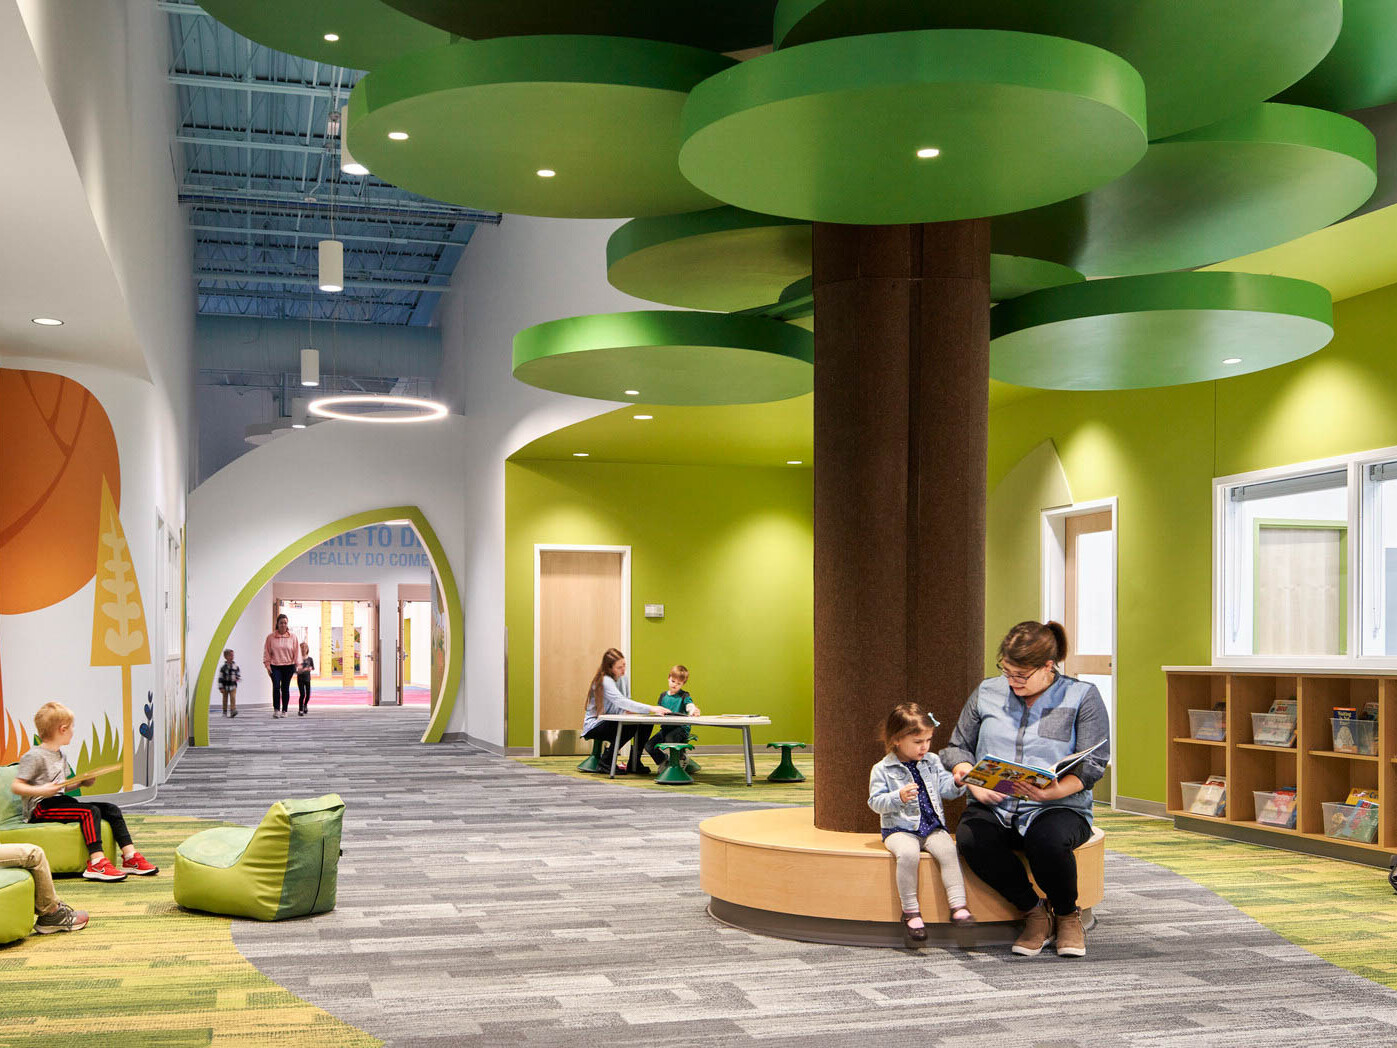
(482,118)
(1202,60)
(1361,70)
(830,131)
(1246,183)
(1158,330)
(717,25)
(370,32)
(670,356)
(722,259)
(1015,275)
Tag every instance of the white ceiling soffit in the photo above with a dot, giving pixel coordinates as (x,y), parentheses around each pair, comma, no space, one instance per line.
(52,259)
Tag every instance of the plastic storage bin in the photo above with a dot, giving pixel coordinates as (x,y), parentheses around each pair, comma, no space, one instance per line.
(1273,729)
(1207,724)
(1197,801)
(1351,822)
(1355,736)
(1275,808)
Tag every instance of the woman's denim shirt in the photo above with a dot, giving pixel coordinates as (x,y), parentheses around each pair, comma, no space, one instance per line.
(889,775)
(1067,717)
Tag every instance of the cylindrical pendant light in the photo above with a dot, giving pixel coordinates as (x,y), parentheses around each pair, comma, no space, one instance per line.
(348,164)
(298,412)
(331,265)
(310,367)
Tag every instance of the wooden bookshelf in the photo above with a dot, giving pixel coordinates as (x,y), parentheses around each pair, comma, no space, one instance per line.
(1311,765)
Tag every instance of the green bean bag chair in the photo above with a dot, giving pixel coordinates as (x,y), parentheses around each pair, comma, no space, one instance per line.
(16,904)
(61,841)
(286,867)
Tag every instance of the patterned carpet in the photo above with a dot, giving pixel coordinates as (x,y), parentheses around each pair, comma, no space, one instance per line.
(486,902)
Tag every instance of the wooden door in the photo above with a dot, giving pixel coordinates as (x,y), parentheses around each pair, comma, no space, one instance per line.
(580,616)
(399,654)
(1090,623)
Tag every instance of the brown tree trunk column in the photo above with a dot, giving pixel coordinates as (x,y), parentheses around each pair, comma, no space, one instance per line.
(901,429)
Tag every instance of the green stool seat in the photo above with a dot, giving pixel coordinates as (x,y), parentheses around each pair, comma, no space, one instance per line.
(287,867)
(62,841)
(674,773)
(16,904)
(593,763)
(786,771)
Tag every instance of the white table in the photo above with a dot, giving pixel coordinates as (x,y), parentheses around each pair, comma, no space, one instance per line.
(744,723)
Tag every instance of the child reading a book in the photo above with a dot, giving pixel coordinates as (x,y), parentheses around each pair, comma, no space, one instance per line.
(905,789)
(1035,715)
(40,781)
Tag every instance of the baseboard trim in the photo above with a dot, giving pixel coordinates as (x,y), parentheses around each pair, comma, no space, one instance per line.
(1136,806)
(488,747)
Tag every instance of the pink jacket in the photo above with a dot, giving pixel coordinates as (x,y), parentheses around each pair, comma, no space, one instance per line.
(281,651)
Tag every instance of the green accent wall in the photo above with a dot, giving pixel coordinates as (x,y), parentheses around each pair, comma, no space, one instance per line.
(727,550)
(1157,451)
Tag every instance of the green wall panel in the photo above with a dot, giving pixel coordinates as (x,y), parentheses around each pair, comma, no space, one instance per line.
(728,551)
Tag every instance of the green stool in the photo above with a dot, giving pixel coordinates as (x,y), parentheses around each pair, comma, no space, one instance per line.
(674,772)
(786,771)
(593,763)
(16,904)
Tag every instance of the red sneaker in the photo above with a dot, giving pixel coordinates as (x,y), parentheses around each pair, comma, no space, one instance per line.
(136,863)
(103,870)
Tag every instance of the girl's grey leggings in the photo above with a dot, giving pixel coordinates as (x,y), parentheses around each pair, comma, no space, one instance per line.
(907,848)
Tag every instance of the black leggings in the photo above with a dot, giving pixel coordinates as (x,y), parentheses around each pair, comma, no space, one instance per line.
(281,687)
(636,734)
(303,686)
(991,850)
(88,815)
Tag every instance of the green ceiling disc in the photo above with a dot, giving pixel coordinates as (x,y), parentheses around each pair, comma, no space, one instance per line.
(1361,70)
(370,32)
(670,356)
(1249,182)
(722,259)
(1158,330)
(830,131)
(1015,275)
(716,25)
(483,117)
(1202,60)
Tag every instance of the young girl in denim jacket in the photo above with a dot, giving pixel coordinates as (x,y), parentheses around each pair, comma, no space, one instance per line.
(905,788)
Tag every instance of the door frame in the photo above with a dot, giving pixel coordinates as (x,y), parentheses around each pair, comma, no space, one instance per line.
(554,547)
(1053,593)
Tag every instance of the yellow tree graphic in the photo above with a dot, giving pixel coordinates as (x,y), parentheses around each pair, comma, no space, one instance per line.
(118,623)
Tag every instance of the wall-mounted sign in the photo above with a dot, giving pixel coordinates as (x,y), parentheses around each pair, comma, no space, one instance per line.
(654,611)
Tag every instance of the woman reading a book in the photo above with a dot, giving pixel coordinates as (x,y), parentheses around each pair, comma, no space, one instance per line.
(1032,715)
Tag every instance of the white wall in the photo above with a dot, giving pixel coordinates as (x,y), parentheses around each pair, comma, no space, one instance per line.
(224,414)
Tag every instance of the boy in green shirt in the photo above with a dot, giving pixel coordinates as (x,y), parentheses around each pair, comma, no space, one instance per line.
(678,701)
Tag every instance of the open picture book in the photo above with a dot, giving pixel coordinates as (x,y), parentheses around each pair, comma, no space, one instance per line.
(994,772)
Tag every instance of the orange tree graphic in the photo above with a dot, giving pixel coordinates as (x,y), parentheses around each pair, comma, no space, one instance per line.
(118,621)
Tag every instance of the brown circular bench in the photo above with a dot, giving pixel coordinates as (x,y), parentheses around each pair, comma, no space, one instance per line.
(773,871)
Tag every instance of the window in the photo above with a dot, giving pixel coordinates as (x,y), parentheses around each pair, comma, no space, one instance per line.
(1378,551)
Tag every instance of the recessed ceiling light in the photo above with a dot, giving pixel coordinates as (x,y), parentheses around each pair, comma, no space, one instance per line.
(1232,360)
(354,168)
(632,392)
(332,37)
(47,322)
(298,425)
(794,462)
(545,172)
(642,418)
(398,136)
(580,454)
(928,153)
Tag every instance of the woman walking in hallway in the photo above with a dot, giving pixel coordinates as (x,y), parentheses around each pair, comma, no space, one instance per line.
(279,654)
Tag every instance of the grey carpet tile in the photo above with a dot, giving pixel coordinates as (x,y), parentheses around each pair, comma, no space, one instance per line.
(482,902)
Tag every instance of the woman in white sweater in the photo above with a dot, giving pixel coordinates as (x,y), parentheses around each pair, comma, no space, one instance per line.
(610,692)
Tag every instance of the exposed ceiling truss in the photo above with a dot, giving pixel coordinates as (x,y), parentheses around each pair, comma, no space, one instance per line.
(258,144)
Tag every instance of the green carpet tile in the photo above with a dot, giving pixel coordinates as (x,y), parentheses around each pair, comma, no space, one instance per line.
(144,972)
(1342,912)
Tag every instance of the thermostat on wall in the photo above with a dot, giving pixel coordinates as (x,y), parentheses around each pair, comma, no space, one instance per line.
(654,611)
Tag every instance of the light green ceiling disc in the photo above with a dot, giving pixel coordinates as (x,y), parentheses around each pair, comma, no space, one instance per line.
(831,131)
(1202,60)
(1015,275)
(484,117)
(1361,69)
(370,32)
(1272,174)
(1164,329)
(670,356)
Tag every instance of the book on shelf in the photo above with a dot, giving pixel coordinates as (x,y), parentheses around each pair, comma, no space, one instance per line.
(1277,728)
(1279,808)
(1359,795)
(1211,798)
(991,773)
(1343,718)
(1370,711)
(1354,821)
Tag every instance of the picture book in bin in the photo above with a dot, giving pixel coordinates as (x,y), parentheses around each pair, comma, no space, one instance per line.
(1211,798)
(1278,728)
(1002,775)
(1357,820)
(1279,809)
